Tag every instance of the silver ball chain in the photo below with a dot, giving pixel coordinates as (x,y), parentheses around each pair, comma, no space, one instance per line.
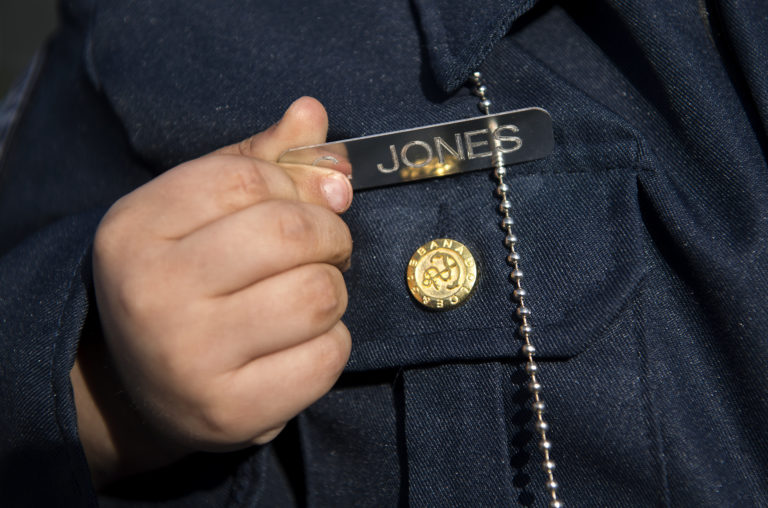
(525,330)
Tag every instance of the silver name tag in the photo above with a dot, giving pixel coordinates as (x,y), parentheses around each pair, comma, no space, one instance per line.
(433,151)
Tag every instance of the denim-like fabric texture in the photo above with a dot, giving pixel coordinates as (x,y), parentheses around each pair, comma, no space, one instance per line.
(11,105)
(43,308)
(643,241)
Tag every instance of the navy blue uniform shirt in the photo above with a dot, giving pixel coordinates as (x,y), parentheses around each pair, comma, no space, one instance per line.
(643,240)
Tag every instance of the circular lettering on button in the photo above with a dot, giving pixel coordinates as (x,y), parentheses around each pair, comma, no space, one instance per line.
(441,274)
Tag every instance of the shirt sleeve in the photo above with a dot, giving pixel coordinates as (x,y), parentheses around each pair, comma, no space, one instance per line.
(45,287)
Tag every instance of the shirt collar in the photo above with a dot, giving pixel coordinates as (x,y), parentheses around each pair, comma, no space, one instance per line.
(459,35)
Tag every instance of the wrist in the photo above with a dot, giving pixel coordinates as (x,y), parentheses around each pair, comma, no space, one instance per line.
(116,441)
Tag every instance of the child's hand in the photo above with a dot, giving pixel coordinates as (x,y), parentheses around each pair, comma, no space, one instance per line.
(220,296)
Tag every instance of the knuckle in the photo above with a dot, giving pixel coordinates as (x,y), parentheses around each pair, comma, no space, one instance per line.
(134,297)
(335,239)
(219,422)
(244,183)
(214,420)
(249,180)
(111,233)
(325,292)
(295,225)
(333,355)
(249,146)
(179,355)
(345,242)
(137,291)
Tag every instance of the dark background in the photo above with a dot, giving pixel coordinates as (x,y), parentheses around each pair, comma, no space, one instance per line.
(24,26)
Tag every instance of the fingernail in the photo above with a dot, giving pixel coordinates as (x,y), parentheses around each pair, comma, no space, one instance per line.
(336,189)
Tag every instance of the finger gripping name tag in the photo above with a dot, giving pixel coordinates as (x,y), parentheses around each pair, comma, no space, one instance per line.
(435,150)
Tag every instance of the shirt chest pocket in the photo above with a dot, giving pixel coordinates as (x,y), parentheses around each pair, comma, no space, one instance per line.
(580,237)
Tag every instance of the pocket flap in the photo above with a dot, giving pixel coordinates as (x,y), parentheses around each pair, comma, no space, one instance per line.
(580,238)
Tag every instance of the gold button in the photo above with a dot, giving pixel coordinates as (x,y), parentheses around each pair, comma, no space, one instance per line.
(441,274)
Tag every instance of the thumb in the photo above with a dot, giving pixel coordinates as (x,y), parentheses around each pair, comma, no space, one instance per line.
(305,122)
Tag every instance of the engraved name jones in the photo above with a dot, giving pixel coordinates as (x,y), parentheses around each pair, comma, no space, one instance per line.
(478,143)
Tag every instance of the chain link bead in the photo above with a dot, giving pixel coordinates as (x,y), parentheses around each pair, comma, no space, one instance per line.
(525,329)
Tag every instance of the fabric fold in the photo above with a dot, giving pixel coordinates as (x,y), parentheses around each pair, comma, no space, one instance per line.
(459,35)
(42,312)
